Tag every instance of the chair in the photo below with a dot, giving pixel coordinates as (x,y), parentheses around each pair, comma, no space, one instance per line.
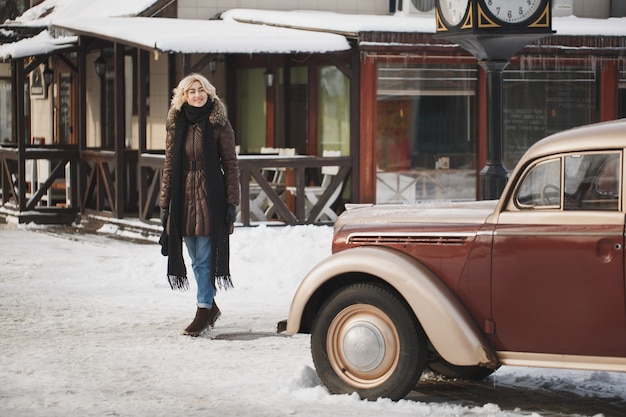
(277,181)
(394,188)
(312,194)
(261,207)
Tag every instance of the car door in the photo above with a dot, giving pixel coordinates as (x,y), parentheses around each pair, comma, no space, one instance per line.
(558,259)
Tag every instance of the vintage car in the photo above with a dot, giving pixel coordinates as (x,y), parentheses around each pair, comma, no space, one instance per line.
(533,279)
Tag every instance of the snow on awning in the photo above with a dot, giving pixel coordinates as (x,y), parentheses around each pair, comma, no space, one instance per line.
(40,44)
(46,12)
(348,24)
(203,36)
(419,23)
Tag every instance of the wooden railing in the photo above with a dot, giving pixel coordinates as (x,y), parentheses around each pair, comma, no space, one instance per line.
(136,189)
(251,168)
(105,188)
(26,192)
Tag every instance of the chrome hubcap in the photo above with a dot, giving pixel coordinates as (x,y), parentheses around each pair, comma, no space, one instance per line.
(363,346)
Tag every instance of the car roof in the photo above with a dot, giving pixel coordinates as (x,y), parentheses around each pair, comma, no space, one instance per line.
(598,136)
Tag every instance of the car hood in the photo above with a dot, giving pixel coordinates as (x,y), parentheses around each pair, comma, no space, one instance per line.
(470,212)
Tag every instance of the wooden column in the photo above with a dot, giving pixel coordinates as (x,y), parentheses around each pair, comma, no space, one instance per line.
(365,166)
(143,68)
(609,86)
(81,122)
(119,122)
(18,76)
(270,112)
(312,109)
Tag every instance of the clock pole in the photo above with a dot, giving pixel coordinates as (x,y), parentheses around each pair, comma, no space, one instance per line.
(494,175)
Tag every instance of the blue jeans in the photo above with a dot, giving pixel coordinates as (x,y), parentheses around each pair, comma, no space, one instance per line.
(199,249)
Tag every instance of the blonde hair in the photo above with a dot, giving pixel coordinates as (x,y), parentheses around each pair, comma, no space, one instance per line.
(178,98)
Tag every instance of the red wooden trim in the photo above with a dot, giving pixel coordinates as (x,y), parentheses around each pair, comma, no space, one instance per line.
(609,86)
(367,145)
(270,115)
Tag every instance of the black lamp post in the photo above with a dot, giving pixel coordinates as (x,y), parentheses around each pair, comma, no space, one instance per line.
(493,31)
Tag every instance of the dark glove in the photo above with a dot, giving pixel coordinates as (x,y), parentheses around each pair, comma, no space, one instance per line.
(165,213)
(164,242)
(231,214)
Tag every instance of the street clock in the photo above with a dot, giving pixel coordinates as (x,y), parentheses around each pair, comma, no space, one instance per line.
(513,11)
(493,29)
(487,16)
(453,11)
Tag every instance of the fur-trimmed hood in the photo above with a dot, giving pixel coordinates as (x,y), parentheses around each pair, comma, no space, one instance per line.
(218,114)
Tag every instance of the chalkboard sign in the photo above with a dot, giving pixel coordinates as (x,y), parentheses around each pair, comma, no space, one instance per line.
(545,104)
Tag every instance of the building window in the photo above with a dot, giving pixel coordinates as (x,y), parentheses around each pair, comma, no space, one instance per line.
(251,110)
(426,129)
(538,103)
(334,111)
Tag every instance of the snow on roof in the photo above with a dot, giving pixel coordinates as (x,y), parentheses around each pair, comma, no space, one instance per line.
(272,31)
(39,44)
(578,26)
(194,36)
(350,24)
(424,23)
(43,14)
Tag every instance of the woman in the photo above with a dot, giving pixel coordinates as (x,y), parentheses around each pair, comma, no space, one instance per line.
(199,194)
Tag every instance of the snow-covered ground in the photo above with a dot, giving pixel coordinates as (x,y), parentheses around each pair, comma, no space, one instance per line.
(89,327)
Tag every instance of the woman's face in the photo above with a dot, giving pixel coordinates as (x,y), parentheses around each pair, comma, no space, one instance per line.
(196,95)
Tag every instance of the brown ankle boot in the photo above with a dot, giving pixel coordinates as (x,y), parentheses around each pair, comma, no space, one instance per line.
(199,323)
(214,314)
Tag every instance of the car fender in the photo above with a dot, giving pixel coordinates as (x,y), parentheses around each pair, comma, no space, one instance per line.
(448,325)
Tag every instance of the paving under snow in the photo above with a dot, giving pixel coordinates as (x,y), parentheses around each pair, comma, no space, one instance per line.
(89,327)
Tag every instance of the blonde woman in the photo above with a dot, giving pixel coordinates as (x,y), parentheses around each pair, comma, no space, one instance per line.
(199,194)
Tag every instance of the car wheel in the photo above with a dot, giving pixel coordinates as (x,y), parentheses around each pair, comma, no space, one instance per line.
(448,370)
(366,340)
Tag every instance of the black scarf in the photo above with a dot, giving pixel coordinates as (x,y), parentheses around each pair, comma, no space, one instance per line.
(214,178)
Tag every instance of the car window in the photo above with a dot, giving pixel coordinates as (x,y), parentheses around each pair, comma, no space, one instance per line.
(589,181)
(592,181)
(541,186)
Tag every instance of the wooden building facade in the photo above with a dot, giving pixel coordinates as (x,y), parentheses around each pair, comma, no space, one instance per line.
(407,111)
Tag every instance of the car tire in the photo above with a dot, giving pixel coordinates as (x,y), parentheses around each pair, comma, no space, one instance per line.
(365,340)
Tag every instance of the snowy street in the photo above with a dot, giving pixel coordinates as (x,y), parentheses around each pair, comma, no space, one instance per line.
(90,327)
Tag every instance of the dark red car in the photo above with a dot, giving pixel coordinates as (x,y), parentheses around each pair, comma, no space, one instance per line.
(534,279)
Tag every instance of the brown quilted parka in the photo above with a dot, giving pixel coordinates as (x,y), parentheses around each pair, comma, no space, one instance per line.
(196,207)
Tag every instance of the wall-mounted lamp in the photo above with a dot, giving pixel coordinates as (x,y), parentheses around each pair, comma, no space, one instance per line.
(213,66)
(48,75)
(101,65)
(268,77)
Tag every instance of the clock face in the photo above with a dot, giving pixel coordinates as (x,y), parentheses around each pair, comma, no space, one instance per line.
(512,11)
(453,11)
